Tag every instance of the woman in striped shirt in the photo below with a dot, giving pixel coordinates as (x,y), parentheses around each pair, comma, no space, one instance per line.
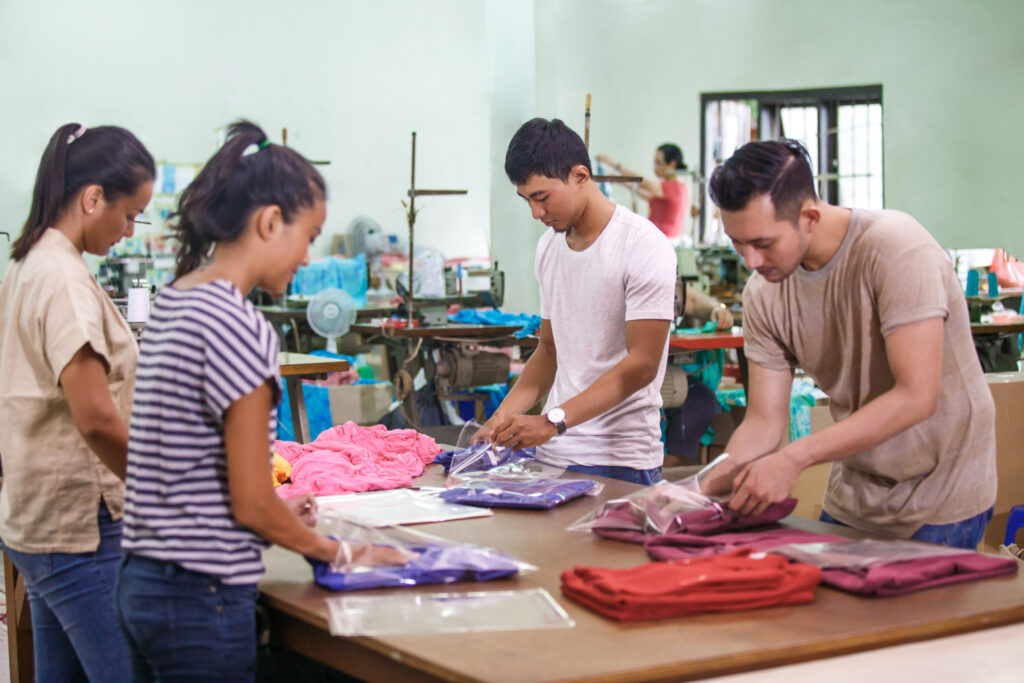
(200,505)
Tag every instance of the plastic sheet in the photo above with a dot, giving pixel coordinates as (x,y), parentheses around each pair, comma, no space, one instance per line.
(652,509)
(391,508)
(540,493)
(855,555)
(394,556)
(445,613)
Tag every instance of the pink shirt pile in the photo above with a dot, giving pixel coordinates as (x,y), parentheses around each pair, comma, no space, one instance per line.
(349,459)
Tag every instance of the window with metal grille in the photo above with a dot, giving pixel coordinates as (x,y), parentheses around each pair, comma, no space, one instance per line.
(841,128)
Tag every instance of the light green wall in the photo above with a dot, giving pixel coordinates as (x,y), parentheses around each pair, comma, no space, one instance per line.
(951,71)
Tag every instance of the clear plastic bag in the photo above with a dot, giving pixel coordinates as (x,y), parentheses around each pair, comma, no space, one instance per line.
(391,508)
(485,462)
(529,609)
(653,509)
(370,557)
(864,553)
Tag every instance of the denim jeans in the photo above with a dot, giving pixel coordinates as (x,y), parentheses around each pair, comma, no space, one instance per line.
(963,534)
(74,627)
(183,625)
(646,477)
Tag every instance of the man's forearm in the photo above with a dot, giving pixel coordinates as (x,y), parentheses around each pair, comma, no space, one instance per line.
(880,420)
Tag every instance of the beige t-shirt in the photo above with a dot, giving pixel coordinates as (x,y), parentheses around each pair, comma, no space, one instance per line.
(889,271)
(51,306)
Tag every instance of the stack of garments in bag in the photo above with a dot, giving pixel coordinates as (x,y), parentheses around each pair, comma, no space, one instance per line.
(537,494)
(711,520)
(349,459)
(683,546)
(730,582)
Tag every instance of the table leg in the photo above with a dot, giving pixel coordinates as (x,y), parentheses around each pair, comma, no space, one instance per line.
(741,358)
(19,626)
(300,424)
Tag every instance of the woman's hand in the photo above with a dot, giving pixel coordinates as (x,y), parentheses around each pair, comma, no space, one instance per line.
(304,507)
(723,317)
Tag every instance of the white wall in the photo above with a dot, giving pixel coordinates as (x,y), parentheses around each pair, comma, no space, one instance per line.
(951,73)
(349,78)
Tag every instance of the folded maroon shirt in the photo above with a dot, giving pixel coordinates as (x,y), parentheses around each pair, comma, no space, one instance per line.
(898,578)
(681,546)
(660,590)
(698,522)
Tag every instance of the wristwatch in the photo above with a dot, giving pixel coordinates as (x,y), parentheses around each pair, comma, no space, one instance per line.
(556,416)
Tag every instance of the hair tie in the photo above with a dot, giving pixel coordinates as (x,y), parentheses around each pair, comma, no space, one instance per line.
(77,134)
(255,147)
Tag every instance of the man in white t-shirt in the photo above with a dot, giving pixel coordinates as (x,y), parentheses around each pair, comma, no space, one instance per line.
(607,284)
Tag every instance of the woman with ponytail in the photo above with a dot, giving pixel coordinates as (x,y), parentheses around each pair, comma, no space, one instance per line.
(200,504)
(67,368)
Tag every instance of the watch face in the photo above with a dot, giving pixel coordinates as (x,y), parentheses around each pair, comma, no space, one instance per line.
(556,415)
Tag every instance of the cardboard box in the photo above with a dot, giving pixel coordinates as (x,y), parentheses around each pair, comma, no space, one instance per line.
(363,404)
(1008,393)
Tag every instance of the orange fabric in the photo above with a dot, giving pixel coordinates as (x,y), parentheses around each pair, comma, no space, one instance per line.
(735,581)
(282,470)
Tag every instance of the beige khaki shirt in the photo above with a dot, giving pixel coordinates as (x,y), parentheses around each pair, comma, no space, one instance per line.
(833,323)
(50,307)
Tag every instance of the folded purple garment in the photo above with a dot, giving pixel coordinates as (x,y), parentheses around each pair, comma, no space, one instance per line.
(481,457)
(435,563)
(540,493)
(698,522)
(898,578)
(681,546)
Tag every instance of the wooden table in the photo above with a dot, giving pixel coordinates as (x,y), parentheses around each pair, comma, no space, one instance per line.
(598,649)
(983,329)
(295,366)
(458,331)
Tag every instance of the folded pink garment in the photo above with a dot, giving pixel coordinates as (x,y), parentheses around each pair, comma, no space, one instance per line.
(681,546)
(897,578)
(349,458)
(699,522)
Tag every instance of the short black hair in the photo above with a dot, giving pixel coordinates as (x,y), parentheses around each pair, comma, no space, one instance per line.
(547,148)
(671,153)
(779,168)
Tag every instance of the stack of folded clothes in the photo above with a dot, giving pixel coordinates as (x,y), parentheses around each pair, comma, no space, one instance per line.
(730,582)
(681,546)
(882,568)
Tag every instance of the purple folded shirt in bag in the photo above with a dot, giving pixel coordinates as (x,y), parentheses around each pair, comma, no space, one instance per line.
(899,578)
(704,522)
(434,563)
(540,493)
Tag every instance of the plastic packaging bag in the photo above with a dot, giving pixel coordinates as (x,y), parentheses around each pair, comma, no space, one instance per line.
(390,557)
(864,553)
(539,493)
(651,510)
(487,462)
(376,615)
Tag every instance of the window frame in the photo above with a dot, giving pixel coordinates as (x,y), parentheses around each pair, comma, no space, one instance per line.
(769,103)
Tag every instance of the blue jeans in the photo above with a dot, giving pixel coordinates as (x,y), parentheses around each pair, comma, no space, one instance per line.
(646,477)
(963,534)
(74,628)
(183,625)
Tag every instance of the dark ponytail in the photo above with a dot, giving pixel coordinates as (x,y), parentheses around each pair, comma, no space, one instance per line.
(246,174)
(107,156)
(672,153)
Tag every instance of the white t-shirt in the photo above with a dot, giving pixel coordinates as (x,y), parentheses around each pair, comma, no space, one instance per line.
(628,273)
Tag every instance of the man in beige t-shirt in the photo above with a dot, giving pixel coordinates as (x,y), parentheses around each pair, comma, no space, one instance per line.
(867,304)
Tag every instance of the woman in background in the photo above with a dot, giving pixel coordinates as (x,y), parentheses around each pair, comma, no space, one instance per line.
(667,196)
(67,368)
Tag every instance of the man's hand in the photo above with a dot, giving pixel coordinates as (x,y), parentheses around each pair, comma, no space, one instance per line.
(763,482)
(719,480)
(524,431)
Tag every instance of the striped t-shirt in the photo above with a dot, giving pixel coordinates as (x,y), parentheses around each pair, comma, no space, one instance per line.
(203,349)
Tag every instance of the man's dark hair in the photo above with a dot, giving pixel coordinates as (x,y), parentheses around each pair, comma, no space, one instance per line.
(779,168)
(547,148)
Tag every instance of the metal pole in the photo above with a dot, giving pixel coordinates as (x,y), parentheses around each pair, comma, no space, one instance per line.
(412,220)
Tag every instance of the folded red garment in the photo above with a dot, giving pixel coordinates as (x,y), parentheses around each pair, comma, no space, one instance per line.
(898,578)
(702,522)
(681,546)
(724,583)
